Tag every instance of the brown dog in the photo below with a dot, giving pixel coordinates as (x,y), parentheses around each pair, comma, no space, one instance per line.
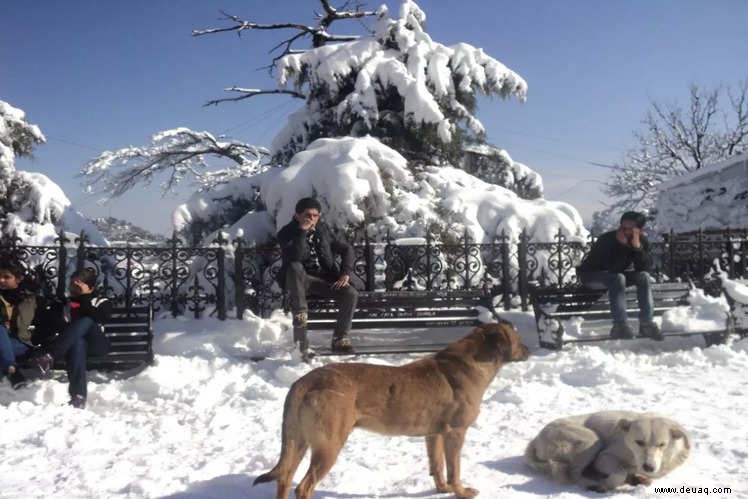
(437,397)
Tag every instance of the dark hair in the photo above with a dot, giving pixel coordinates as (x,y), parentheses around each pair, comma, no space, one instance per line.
(308,203)
(13,267)
(87,275)
(638,218)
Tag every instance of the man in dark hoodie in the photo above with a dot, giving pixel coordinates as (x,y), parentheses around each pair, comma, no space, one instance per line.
(308,248)
(618,259)
(83,336)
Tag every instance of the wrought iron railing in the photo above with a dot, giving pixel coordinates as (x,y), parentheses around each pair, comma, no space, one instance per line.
(230,276)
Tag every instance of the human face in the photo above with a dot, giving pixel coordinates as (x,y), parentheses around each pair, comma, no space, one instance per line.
(308,218)
(8,280)
(628,228)
(78,287)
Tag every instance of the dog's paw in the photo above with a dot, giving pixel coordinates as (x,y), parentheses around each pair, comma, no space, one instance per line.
(466,493)
(639,480)
(443,487)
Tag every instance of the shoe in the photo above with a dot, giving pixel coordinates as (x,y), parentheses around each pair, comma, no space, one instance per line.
(44,362)
(17,379)
(78,401)
(342,344)
(650,330)
(621,331)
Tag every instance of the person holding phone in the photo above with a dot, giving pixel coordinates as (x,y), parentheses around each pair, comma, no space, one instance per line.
(616,260)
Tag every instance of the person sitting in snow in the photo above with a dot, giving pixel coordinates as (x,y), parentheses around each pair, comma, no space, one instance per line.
(83,335)
(618,259)
(308,248)
(17,310)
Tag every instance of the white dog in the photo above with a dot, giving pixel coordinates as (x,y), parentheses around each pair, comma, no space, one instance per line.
(604,450)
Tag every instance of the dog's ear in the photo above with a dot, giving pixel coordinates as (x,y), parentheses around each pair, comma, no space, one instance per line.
(624,425)
(492,344)
(677,433)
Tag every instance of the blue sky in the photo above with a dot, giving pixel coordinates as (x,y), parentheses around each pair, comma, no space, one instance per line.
(98,75)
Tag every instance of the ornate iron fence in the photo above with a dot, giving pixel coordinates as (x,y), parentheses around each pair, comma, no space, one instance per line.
(229,275)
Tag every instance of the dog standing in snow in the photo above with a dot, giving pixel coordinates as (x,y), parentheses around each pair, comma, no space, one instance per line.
(604,450)
(437,397)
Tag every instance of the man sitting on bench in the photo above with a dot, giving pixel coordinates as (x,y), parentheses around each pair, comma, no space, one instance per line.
(308,248)
(618,259)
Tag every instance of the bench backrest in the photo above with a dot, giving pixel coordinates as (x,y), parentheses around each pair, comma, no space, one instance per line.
(130,332)
(580,301)
(404,309)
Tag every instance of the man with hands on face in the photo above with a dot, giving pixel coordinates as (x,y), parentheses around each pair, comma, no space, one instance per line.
(309,266)
(618,259)
(82,336)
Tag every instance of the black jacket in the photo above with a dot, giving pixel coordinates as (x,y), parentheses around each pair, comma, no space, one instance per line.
(89,305)
(294,248)
(608,254)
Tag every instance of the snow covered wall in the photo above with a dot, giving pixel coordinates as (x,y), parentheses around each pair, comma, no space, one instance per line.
(713,197)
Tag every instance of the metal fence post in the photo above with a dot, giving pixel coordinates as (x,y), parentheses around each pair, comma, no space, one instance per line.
(369,261)
(174,284)
(506,283)
(221,291)
(62,262)
(80,257)
(239,277)
(522,276)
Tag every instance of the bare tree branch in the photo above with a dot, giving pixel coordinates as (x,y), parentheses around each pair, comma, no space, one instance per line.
(251,92)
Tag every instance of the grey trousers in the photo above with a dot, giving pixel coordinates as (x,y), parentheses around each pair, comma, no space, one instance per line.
(299,284)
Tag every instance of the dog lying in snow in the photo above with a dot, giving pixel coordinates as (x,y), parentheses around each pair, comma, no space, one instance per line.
(604,450)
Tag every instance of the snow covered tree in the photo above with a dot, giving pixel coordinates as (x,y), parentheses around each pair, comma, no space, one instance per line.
(32,207)
(373,105)
(675,142)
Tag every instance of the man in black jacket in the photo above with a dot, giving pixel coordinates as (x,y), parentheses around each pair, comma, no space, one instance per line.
(82,337)
(308,247)
(618,259)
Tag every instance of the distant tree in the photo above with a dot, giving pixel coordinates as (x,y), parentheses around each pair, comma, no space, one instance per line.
(676,141)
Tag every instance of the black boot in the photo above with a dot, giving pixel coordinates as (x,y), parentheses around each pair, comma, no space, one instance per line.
(300,333)
(341,343)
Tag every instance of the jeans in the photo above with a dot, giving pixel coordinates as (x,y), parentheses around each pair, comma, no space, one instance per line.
(78,340)
(616,284)
(10,349)
(299,283)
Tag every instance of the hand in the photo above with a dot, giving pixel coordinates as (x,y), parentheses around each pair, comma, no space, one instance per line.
(343,282)
(635,241)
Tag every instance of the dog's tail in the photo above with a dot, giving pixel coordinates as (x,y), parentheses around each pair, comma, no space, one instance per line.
(293,444)
(555,469)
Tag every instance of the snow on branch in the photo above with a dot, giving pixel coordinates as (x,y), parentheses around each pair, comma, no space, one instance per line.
(179,152)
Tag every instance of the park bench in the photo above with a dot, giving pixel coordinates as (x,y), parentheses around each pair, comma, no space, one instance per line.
(558,309)
(738,305)
(405,311)
(130,334)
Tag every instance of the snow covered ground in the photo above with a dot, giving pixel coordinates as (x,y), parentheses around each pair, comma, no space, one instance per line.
(205,420)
